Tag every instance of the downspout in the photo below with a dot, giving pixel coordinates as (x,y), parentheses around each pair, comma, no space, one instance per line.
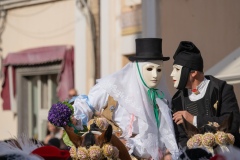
(3,19)
(83,7)
(11,91)
(150,19)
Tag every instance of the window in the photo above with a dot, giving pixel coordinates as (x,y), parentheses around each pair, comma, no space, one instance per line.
(36,92)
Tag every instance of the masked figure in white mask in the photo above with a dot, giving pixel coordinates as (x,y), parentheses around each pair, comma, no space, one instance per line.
(142,110)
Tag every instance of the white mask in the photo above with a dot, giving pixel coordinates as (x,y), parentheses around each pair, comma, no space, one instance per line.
(152,72)
(176,74)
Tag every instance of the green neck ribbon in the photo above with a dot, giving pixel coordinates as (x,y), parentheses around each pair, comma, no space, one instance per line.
(75,129)
(152,95)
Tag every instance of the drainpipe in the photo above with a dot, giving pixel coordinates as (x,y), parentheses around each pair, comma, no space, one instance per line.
(150,18)
(86,20)
(11,92)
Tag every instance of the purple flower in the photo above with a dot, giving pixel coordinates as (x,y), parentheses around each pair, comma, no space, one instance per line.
(59,114)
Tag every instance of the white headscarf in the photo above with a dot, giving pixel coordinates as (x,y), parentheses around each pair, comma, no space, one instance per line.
(126,87)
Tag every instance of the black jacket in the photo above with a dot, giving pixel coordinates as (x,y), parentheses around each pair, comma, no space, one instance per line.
(219,91)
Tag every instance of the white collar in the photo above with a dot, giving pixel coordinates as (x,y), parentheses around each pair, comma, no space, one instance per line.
(202,87)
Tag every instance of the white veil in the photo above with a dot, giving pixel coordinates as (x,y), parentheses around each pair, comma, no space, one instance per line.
(125,86)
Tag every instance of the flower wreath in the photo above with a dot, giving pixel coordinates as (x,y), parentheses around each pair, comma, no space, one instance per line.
(209,140)
(95,153)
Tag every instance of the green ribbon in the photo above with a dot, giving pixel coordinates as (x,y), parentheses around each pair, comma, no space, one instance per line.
(152,95)
(76,131)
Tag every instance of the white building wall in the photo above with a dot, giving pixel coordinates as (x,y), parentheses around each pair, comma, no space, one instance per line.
(114,45)
(110,40)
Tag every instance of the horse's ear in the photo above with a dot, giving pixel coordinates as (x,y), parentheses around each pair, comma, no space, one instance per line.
(106,135)
(226,124)
(189,128)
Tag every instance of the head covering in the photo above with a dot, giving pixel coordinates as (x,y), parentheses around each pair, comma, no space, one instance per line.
(188,55)
(148,49)
(51,153)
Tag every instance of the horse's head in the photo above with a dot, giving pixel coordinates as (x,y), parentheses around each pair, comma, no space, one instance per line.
(209,136)
(90,138)
(94,137)
(96,145)
(211,127)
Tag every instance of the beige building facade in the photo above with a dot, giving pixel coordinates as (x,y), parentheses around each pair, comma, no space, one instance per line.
(32,25)
(214,26)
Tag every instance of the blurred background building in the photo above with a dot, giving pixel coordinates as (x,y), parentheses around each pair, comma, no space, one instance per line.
(50,46)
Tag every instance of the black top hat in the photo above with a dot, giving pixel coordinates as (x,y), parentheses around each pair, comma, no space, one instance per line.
(188,55)
(148,49)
